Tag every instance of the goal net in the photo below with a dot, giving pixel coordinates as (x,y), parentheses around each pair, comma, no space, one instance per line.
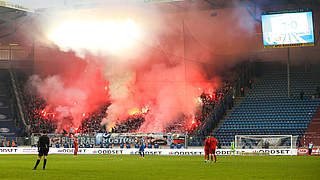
(265,142)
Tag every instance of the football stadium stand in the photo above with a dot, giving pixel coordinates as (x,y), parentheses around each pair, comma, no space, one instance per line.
(7,125)
(266,110)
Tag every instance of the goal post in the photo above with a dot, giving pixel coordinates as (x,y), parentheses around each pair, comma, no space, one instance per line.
(259,142)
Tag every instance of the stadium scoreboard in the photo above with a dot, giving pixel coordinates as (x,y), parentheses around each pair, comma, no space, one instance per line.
(287,29)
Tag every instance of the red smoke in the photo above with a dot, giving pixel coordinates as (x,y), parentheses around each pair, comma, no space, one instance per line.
(162,78)
(75,87)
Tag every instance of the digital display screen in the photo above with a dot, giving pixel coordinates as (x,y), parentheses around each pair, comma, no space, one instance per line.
(287,30)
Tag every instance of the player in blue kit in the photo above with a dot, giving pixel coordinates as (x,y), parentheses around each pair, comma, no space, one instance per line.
(141,148)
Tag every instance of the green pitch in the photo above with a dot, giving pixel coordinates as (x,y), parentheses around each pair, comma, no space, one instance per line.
(67,167)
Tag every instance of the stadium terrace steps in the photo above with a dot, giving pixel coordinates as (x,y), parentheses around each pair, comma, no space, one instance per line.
(237,102)
(313,131)
(7,126)
(267,110)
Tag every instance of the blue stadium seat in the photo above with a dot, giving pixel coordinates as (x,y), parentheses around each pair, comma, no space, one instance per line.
(172,146)
(267,110)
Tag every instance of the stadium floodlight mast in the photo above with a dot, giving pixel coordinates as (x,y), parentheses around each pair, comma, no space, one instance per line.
(268,142)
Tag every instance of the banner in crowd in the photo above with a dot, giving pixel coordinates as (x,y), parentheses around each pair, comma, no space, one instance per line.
(134,151)
(118,138)
(131,138)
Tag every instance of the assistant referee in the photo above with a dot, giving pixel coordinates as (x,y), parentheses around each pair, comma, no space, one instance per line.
(43,149)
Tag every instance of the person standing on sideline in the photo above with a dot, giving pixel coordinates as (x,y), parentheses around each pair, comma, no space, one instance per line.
(43,149)
(310,146)
(141,148)
(233,149)
(75,147)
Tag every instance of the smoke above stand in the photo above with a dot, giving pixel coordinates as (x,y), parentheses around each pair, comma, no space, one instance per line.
(150,63)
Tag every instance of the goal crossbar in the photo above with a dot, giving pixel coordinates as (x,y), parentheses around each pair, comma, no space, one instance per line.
(264,141)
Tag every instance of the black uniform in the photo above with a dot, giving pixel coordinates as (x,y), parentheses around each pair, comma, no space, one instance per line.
(43,145)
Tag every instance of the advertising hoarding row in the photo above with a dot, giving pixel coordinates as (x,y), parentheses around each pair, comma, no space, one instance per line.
(133,151)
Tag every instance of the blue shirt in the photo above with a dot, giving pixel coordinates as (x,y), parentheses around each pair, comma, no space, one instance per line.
(310,145)
(141,145)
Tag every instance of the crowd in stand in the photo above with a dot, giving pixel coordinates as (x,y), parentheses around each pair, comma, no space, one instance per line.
(211,101)
(92,123)
(208,104)
(131,125)
(34,106)
(235,85)
(39,121)
(213,107)
(181,126)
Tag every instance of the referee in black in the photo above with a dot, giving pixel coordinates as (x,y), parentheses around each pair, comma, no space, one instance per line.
(43,149)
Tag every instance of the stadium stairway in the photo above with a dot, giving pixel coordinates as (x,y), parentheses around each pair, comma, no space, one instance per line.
(237,102)
(7,125)
(267,111)
(313,131)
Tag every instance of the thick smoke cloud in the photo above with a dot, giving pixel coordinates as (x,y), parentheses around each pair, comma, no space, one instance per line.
(69,95)
(179,56)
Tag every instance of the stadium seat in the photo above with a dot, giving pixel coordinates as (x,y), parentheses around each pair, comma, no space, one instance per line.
(267,110)
(172,146)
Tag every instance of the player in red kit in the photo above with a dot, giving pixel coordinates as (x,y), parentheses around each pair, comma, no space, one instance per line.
(213,146)
(75,147)
(207,149)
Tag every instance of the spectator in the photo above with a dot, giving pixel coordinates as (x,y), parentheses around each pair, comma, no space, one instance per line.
(250,84)
(242,91)
(318,91)
(301,95)
(310,146)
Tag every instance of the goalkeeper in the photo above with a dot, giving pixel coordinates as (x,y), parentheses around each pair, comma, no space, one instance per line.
(233,149)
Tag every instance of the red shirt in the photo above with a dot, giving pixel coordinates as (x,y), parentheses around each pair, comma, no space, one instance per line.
(75,144)
(207,144)
(213,143)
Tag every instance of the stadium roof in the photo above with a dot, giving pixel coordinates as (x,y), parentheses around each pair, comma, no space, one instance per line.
(10,12)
